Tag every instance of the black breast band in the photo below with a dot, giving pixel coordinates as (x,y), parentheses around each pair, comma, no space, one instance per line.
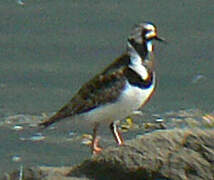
(136,80)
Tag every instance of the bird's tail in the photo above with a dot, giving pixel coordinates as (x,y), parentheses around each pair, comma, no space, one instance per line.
(47,122)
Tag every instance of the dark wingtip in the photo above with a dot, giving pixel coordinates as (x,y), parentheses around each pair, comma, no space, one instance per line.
(44,124)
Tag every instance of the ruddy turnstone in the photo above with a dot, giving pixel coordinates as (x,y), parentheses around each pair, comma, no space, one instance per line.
(123,87)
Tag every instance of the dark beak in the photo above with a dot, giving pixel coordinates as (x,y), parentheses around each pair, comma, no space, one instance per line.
(160,39)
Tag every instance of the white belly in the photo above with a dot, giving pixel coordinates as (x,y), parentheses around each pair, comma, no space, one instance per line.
(131,99)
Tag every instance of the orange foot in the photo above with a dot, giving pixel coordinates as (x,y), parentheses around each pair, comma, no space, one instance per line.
(96,149)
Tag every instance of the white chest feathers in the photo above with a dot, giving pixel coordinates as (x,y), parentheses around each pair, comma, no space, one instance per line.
(131,99)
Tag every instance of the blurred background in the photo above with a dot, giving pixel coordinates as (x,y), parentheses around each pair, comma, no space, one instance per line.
(49,48)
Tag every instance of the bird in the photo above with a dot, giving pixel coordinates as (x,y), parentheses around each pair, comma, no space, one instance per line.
(121,88)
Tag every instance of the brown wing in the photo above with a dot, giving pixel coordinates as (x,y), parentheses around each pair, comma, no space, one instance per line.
(102,89)
(99,91)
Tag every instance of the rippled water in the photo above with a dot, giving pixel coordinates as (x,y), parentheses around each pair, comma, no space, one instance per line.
(49,49)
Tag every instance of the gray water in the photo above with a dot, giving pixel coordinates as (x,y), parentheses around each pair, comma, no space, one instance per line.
(49,48)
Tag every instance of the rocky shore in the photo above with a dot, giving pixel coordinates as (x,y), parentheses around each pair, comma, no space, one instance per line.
(177,154)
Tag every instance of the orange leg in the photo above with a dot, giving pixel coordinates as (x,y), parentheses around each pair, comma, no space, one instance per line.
(96,149)
(117,134)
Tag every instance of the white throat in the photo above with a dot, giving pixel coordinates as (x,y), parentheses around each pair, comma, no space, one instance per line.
(136,63)
(149,46)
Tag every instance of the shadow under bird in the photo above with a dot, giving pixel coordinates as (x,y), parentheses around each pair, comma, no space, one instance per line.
(123,87)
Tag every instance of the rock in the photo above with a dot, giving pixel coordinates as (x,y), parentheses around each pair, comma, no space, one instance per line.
(42,173)
(169,154)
